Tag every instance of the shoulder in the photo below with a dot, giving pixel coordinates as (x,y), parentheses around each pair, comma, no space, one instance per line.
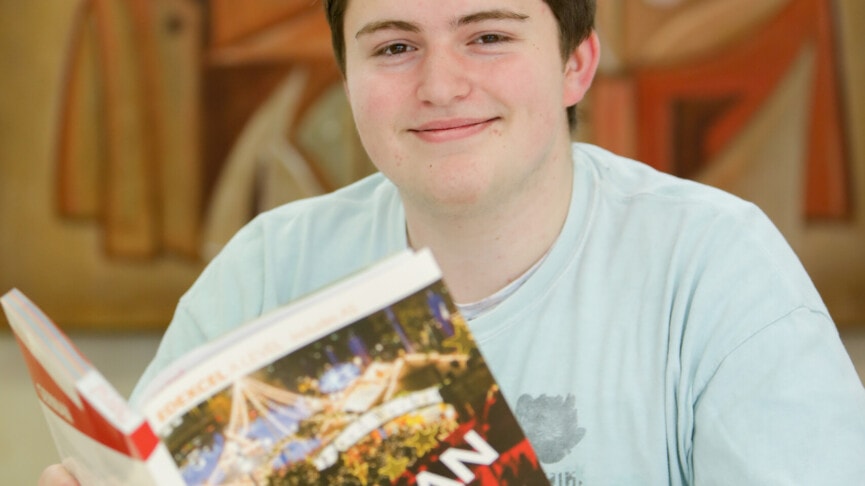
(294,249)
(632,180)
(728,270)
(366,198)
(314,224)
(632,194)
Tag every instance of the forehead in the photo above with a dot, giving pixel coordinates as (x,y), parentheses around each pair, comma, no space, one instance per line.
(430,12)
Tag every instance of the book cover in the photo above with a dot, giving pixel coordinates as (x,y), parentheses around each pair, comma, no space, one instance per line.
(374,380)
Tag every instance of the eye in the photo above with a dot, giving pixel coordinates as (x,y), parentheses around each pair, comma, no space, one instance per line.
(393,49)
(491,39)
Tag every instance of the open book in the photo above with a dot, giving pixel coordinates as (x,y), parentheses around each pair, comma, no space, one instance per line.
(375,379)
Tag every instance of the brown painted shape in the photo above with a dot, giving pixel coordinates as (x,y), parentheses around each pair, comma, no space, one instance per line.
(693,119)
(135,168)
(79,153)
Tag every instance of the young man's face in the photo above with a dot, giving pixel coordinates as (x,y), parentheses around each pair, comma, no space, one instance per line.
(460,102)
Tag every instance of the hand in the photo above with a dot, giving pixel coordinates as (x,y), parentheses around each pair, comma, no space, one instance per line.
(57,475)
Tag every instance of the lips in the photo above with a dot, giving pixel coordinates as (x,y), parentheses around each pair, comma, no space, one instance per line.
(451,129)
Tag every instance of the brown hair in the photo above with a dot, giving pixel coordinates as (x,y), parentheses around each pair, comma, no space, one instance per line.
(576,19)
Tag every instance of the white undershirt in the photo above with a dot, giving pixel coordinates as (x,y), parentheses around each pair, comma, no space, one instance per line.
(477,308)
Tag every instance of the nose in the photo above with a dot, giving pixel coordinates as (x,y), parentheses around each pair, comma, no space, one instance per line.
(443,77)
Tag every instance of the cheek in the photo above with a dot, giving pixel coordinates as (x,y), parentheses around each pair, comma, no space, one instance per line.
(363,109)
(530,85)
(373,95)
(539,100)
(367,112)
(376,112)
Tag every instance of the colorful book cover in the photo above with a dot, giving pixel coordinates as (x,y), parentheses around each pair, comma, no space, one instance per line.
(399,396)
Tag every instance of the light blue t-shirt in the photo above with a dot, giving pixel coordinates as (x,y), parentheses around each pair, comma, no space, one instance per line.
(670,336)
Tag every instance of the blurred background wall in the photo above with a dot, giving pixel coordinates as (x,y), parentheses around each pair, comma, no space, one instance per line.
(137,135)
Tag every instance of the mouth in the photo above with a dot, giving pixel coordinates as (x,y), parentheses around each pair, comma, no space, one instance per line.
(451,129)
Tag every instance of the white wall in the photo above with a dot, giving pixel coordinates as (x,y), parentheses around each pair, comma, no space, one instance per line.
(25,444)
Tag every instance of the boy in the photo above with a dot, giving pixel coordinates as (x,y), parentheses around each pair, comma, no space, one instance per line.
(646,330)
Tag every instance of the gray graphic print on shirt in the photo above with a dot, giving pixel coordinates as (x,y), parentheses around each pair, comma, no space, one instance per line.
(550,423)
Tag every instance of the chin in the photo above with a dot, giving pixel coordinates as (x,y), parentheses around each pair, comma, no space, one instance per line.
(456,201)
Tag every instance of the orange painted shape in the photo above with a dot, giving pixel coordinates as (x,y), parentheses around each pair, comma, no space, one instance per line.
(748,74)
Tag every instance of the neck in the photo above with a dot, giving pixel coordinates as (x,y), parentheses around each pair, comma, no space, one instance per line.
(482,249)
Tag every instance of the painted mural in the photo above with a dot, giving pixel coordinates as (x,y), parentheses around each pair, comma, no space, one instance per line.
(149,131)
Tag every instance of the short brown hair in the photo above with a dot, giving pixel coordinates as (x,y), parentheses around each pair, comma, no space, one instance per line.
(576,19)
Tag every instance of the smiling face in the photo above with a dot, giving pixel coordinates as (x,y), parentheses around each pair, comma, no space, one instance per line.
(461,103)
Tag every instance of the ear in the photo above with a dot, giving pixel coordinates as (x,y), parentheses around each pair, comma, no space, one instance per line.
(580,69)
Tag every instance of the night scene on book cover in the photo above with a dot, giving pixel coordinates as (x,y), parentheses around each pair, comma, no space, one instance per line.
(401,396)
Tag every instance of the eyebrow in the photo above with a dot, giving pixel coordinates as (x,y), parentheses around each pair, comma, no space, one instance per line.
(466,20)
(491,15)
(373,27)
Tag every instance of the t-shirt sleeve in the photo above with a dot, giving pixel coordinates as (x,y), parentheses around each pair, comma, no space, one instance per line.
(784,407)
(229,292)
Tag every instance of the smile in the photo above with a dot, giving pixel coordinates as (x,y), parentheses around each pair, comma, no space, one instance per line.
(448,130)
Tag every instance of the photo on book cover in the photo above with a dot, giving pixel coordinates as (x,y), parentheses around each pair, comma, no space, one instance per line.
(401,396)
